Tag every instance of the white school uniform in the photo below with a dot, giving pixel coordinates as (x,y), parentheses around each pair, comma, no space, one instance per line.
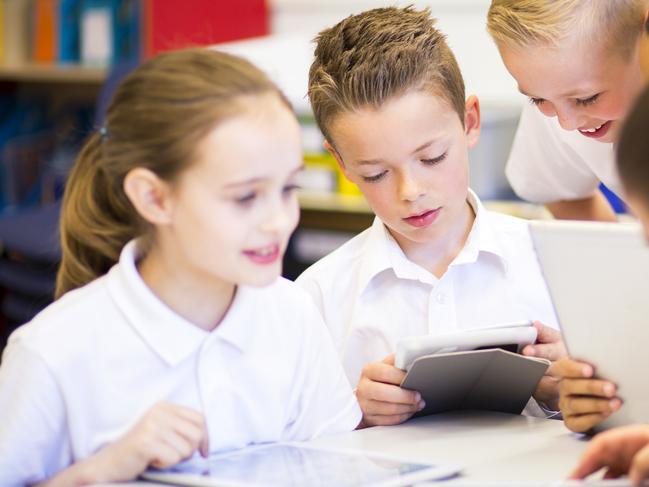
(548,163)
(84,371)
(371,295)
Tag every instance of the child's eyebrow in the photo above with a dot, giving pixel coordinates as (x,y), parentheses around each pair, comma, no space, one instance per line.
(571,94)
(256,180)
(369,162)
(423,146)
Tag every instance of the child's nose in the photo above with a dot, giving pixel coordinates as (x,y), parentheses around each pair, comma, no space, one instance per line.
(410,188)
(569,119)
(280,218)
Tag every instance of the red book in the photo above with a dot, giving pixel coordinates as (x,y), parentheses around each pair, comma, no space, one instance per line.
(175,25)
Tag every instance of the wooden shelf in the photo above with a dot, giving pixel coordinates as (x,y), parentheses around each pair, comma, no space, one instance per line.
(47,73)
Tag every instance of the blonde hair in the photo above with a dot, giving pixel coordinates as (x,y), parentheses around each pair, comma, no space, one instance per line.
(371,57)
(156,120)
(616,24)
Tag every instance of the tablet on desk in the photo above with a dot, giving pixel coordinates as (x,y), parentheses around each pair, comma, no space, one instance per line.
(598,278)
(297,465)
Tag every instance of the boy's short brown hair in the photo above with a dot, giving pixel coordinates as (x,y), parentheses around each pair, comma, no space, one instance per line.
(633,150)
(368,58)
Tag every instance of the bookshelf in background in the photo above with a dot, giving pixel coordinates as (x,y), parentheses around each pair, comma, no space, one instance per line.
(55,56)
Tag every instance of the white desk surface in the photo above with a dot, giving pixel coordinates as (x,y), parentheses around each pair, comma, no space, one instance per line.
(494,449)
(497,449)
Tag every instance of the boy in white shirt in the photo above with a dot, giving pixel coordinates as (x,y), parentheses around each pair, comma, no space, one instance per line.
(389,97)
(579,62)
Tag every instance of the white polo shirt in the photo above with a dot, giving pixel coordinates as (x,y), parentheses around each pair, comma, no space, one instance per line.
(90,365)
(548,163)
(371,295)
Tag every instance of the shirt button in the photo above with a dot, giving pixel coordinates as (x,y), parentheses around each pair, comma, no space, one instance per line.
(441,298)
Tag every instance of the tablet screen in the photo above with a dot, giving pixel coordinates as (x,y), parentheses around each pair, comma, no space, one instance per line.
(291,465)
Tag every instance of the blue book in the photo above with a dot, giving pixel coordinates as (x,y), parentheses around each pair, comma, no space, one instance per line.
(127,32)
(69,31)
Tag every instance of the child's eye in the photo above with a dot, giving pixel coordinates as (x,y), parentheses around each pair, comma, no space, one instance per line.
(290,188)
(587,101)
(246,198)
(536,101)
(435,160)
(376,177)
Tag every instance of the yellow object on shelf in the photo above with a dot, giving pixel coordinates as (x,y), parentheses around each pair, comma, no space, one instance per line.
(325,161)
(345,186)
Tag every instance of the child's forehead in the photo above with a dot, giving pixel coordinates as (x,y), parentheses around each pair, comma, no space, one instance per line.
(410,104)
(406,122)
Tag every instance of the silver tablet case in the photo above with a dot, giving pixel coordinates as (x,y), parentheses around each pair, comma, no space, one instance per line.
(493,380)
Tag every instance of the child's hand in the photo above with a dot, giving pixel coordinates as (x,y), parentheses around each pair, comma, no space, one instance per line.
(164,436)
(620,450)
(382,400)
(549,345)
(584,401)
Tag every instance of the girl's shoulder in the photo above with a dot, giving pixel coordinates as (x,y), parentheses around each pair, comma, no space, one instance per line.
(75,313)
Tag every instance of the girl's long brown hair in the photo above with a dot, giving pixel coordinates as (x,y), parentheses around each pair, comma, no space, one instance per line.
(158,116)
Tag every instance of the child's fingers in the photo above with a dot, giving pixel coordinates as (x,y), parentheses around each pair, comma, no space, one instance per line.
(204,447)
(584,422)
(181,440)
(614,473)
(188,414)
(381,372)
(567,367)
(190,424)
(587,387)
(545,334)
(381,408)
(640,466)
(389,360)
(574,405)
(164,456)
(550,351)
(596,456)
(378,391)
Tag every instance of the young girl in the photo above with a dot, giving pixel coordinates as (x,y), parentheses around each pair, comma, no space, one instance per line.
(579,62)
(185,200)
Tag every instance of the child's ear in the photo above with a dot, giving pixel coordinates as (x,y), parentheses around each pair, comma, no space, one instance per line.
(472,120)
(332,150)
(149,194)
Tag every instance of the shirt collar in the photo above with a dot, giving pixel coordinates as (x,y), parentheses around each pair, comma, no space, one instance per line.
(381,252)
(483,237)
(169,335)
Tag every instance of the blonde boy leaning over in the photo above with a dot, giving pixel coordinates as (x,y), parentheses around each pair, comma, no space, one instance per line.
(389,97)
(578,61)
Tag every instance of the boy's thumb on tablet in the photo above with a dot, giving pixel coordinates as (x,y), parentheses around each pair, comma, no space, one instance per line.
(389,359)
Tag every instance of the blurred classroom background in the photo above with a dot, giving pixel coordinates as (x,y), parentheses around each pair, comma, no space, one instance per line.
(61,59)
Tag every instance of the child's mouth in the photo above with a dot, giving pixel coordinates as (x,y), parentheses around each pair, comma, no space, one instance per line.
(263,255)
(423,219)
(596,132)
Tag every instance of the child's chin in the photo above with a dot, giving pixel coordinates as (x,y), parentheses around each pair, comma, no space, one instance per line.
(263,280)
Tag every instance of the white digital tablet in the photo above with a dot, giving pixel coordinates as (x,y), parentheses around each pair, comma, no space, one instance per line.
(298,465)
(598,278)
(509,336)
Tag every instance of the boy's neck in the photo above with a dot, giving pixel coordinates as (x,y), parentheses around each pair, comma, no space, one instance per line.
(202,303)
(436,255)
